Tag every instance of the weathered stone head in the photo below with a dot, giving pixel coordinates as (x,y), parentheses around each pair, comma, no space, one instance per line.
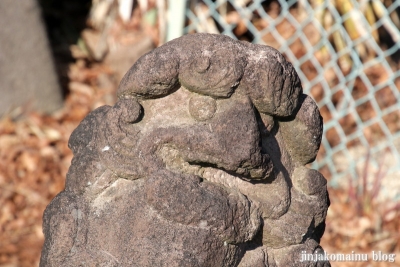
(201,162)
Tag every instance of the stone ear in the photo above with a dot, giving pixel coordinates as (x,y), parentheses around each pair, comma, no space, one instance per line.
(303,147)
(129,110)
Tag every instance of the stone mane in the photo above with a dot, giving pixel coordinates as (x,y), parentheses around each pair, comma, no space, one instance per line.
(215,65)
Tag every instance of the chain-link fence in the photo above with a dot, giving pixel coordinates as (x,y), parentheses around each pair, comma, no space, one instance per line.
(346,53)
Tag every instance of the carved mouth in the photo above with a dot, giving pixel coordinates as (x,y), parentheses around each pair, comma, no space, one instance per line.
(174,161)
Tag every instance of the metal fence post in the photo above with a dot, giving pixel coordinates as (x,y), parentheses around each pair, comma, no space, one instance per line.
(176,18)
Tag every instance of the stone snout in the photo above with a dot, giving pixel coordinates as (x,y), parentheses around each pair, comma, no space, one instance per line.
(229,140)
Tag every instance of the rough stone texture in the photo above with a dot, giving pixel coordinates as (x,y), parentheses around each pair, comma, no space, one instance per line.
(201,162)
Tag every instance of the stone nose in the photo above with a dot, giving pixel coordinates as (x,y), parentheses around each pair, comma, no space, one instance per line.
(229,141)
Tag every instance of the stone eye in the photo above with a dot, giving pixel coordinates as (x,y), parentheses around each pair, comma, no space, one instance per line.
(202,108)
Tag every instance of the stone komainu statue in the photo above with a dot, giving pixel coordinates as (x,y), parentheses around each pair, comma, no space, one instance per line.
(201,162)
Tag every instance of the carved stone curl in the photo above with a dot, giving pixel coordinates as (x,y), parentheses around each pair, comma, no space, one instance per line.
(201,162)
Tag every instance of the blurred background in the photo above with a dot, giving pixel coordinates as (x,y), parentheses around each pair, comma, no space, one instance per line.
(61,59)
